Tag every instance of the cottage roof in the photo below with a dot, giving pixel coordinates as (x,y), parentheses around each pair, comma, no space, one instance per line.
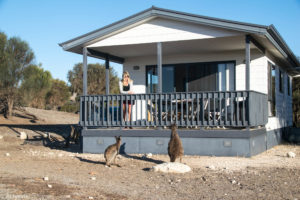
(264,34)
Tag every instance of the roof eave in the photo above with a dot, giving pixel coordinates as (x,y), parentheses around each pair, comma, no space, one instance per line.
(276,39)
(270,32)
(159,12)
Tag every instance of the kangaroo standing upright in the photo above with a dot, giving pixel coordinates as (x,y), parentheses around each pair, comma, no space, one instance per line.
(112,151)
(175,148)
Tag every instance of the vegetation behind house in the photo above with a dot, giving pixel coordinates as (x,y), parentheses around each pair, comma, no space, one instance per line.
(23,83)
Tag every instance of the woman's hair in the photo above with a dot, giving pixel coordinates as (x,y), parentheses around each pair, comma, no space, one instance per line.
(126,73)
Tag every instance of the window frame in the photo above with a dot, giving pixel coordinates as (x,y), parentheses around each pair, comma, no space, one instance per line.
(271,89)
(149,67)
(288,85)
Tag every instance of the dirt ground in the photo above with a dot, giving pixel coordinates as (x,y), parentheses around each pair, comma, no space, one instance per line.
(25,163)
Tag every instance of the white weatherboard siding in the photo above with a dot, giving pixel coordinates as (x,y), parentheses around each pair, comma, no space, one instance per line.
(259,71)
(163,30)
(258,78)
(258,67)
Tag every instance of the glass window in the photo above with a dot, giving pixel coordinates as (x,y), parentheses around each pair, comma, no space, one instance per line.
(168,79)
(152,80)
(271,89)
(289,85)
(212,76)
(280,81)
(225,79)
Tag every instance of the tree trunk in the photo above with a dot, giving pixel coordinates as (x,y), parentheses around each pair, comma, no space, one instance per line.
(10,105)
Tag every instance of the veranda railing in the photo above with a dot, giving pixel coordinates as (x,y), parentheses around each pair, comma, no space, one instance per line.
(231,109)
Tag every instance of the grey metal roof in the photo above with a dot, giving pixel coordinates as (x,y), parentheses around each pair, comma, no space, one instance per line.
(76,44)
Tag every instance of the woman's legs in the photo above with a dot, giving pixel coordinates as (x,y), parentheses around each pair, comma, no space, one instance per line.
(129,112)
(125,113)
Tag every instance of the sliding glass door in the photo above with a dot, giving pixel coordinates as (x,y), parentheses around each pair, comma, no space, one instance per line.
(210,76)
(225,77)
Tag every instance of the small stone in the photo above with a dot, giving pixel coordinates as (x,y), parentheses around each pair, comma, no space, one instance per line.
(157,187)
(68,196)
(49,186)
(178,181)
(233,181)
(1,137)
(46,178)
(60,155)
(7,154)
(203,178)
(291,154)
(149,155)
(91,197)
(23,136)
(93,178)
(212,167)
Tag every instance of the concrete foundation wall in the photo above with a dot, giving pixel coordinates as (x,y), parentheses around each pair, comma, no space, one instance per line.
(245,143)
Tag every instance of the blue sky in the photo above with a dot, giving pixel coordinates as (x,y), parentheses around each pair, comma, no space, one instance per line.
(44,24)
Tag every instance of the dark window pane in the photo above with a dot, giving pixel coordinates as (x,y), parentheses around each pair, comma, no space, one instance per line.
(202,77)
(280,81)
(288,85)
(168,79)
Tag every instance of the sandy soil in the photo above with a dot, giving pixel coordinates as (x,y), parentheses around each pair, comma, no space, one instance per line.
(25,163)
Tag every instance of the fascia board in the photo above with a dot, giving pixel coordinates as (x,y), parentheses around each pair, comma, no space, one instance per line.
(86,40)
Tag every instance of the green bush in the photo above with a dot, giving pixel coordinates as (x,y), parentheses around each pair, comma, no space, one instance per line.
(70,106)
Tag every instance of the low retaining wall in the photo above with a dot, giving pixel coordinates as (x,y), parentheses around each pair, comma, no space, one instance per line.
(216,142)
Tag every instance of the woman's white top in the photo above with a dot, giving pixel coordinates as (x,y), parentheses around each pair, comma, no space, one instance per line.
(130,87)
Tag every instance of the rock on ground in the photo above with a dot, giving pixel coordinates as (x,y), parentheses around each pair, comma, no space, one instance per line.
(171,167)
(291,154)
(23,136)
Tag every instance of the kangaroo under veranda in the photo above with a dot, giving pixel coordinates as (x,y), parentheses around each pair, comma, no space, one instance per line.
(175,149)
(112,151)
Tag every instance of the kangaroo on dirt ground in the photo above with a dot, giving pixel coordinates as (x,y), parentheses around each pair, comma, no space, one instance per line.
(175,149)
(112,151)
(73,136)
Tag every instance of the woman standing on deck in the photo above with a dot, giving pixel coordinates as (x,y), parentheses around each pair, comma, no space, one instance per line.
(126,87)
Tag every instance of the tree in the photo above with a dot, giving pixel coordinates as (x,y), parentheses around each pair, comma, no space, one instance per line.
(3,42)
(15,56)
(58,95)
(96,79)
(296,100)
(36,83)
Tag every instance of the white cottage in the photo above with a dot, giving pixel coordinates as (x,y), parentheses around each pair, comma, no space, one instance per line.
(226,84)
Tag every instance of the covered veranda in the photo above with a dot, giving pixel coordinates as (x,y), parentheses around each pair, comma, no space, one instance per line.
(243,112)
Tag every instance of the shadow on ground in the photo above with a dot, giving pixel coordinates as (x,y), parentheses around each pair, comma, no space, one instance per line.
(144,158)
(53,136)
(90,161)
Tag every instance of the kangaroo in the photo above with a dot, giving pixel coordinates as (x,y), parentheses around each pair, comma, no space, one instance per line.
(175,148)
(73,136)
(112,151)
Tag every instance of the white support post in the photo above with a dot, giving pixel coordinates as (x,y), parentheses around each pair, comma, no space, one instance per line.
(159,67)
(247,71)
(84,71)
